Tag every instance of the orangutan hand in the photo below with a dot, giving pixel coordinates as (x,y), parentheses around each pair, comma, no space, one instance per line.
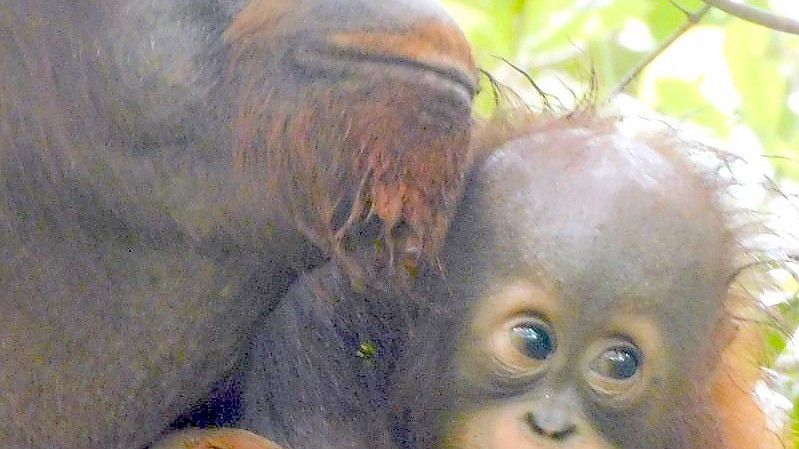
(215,439)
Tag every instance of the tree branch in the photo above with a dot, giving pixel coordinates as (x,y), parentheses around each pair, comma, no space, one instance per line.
(756,15)
(693,19)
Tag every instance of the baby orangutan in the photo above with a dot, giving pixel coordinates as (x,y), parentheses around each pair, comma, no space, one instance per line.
(583,303)
(586,305)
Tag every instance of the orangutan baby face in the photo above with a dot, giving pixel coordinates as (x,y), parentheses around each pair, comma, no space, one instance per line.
(595,268)
(540,370)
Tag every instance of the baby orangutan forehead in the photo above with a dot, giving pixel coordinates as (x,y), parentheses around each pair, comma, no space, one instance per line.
(605,217)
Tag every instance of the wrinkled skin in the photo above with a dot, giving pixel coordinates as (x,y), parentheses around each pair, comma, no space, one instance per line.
(143,231)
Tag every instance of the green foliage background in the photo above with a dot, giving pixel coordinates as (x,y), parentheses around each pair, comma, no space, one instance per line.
(568,39)
(733,82)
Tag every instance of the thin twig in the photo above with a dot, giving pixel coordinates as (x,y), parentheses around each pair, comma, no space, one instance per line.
(678,6)
(693,19)
(756,15)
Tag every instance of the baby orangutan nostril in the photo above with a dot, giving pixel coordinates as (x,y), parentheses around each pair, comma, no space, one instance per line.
(553,424)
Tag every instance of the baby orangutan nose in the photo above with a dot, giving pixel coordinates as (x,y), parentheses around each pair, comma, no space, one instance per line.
(551,422)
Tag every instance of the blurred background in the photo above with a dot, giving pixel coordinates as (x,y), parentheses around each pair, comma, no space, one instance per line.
(729,83)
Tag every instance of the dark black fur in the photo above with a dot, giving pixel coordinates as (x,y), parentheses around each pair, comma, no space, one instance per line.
(312,380)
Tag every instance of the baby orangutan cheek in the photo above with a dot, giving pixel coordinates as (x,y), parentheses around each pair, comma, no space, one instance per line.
(506,426)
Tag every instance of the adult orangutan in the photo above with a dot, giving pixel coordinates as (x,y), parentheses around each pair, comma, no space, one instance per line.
(166,166)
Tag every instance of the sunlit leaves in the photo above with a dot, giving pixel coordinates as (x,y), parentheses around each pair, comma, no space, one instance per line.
(721,73)
(683,99)
(761,87)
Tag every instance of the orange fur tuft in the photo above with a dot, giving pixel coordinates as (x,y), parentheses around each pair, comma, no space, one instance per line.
(345,147)
(743,421)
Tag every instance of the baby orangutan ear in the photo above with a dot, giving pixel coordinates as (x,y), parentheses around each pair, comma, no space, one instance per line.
(215,439)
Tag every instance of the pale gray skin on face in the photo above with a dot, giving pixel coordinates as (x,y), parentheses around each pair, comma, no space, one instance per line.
(607,240)
(134,258)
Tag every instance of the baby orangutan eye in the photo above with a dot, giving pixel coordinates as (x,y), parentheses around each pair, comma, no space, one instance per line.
(617,363)
(616,370)
(534,339)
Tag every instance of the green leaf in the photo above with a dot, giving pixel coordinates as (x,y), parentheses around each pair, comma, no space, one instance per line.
(664,19)
(760,85)
(683,99)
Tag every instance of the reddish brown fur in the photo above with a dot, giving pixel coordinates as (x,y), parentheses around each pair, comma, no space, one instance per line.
(130,255)
(49,113)
(58,110)
(381,150)
(743,421)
